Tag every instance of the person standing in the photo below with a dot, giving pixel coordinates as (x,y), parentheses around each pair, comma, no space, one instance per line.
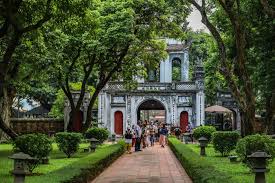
(134,136)
(189,129)
(144,135)
(128,140)
(163,135)
(152,134)
(138,137)
(177,132)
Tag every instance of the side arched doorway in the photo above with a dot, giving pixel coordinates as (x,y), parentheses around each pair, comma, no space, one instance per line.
(118,123)
(183,120)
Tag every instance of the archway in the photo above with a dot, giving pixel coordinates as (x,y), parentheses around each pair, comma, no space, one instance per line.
(183,120)
(118,123)
(176,69)
(151,110)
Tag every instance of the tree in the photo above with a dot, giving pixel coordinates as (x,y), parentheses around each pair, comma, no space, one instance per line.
(108,38)
(240,38)
(238,77)
(16,24)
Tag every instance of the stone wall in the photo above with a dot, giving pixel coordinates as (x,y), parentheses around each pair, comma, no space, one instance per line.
(37,125)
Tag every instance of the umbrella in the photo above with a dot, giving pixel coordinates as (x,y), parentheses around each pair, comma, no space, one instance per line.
(217,109)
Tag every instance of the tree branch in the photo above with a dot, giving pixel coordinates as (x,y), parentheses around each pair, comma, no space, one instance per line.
(268,9)
(46,17)
(4,28)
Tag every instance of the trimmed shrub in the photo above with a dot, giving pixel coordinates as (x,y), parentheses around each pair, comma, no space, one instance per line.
(225,142)
(100,134)
(36,145)
(196,166)
(204,131)
(253,143)
(68,143)
(122,143)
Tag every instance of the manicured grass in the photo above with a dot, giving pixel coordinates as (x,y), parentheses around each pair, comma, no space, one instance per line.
(60,169)
(219,166)
(237,171)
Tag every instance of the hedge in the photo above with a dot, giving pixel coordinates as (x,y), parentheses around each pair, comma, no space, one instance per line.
(91,171)
(85,169)
(196,166)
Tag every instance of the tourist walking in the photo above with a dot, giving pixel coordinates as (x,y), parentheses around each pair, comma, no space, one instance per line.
(134,136)
(128,140)
(138,137)
(163,135)
(189,129)
(152,134)
(177,132)
(144,135)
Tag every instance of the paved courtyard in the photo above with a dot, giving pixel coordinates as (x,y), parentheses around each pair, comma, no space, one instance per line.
(152,165)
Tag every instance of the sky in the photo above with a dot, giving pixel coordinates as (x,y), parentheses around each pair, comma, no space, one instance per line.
(195,20)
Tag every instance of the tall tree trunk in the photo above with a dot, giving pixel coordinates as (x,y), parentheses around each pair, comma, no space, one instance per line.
(270,114)
(89,118)
(249,121)
(5,112)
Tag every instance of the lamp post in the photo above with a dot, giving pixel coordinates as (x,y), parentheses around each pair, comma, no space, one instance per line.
(20,167)
(203,143)
(93,144)
(258,163)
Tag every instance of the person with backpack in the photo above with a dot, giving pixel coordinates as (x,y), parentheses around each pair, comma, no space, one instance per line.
(163,134)
(128,140)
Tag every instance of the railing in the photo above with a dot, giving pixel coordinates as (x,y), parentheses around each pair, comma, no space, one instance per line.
(153,86)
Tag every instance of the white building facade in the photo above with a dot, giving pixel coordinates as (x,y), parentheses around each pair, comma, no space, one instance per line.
(182,100)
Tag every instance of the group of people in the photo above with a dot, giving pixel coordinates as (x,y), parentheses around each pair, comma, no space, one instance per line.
(145,134)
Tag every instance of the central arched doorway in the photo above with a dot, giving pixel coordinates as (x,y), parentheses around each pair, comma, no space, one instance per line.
(151,110)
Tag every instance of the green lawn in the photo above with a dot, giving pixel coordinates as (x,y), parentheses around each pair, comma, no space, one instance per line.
(60,168)
(238,172)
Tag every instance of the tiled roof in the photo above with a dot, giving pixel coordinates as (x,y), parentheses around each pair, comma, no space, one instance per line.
(175,47)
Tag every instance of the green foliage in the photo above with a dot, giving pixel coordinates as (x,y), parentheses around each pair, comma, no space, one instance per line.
(204,131)
(100,134)
(57,109)
(253,143)
(122,143)
(196,166)
(35,145)
(225,141)
(68,143)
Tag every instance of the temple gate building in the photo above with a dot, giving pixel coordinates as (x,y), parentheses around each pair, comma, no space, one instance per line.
(167,88)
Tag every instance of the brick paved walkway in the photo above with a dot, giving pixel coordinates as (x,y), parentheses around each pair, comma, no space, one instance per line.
(152,165)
